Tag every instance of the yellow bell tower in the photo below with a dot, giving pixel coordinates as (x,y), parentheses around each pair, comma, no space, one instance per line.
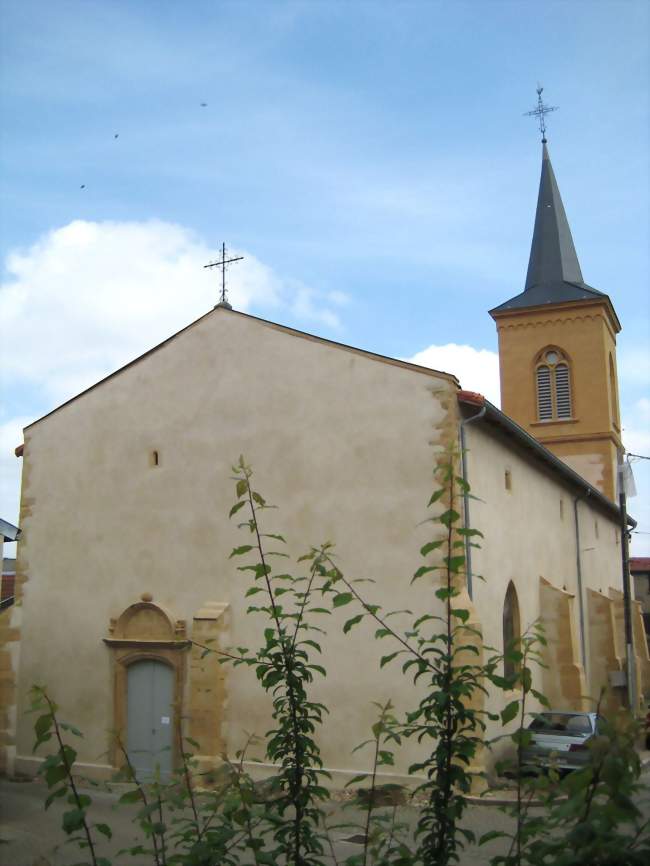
(557,350)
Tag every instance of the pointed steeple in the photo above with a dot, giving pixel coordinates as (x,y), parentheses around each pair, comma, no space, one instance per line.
(553,256)
(554,273)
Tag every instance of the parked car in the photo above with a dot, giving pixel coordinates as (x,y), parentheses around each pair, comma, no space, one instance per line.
(560,739)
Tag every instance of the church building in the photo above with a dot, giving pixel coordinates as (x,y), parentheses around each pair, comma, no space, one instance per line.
(123,571)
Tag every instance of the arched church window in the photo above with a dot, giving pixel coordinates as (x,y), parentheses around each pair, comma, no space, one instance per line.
(553,378)
(511,631)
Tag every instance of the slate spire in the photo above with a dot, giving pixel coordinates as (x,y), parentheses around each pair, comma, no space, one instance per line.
(553,256)
(554,274)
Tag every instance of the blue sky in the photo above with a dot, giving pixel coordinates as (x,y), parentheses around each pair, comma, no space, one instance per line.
(370,159)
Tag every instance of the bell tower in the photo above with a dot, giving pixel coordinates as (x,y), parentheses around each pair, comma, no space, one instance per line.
(557,350)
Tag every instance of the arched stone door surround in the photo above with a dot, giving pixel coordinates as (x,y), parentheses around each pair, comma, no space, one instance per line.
(144,630)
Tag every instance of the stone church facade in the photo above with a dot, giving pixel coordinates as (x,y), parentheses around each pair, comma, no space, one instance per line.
(123,565)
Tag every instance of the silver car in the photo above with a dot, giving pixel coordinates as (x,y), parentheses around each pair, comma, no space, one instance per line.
(560,739)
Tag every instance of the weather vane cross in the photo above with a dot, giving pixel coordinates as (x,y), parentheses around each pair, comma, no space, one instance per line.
(221,263)
(540,112)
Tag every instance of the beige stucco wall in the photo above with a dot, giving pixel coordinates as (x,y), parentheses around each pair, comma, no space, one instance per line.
(530,540)
(342,442)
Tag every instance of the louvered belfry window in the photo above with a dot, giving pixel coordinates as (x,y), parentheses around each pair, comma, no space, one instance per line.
(544,401)
(562,391)
(553,386)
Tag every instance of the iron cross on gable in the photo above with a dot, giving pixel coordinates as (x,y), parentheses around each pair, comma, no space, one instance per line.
(221,263)
(540,112)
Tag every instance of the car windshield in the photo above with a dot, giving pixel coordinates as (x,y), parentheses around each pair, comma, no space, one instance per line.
(561,723)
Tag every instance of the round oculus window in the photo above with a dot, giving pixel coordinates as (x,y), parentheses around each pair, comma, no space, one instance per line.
(552,357)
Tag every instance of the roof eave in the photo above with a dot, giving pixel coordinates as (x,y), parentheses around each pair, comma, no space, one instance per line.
(602,299)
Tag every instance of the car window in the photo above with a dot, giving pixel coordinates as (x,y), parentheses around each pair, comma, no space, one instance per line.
(561,723)
(579,725)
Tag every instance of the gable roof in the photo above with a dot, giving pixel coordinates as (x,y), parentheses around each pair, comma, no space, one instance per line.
(554,275)
(223,309)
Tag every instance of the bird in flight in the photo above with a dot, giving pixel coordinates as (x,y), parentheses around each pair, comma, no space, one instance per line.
(117,135)
(204,105)
(83,186)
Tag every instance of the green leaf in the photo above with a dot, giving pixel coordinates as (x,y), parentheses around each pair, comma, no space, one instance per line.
(437,494)
(238,551)
(492,834)
(236,507)
(449,517)
(259,499)
(319,668)
(508,714)
(385,659)
(540,697)
(104,829)
(242,487)
(133,796)
(463,615)
(356,779)
(342,599)
(60,792)
(42,725)
(352,622)
(454,563)
(55,774)
(68,727)
(431,545)
(73,820)
(277,537)
(272,678)
(422,570)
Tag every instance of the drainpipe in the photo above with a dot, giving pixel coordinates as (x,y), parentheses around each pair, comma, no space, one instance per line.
(581,606)
(463,457)
(630,666)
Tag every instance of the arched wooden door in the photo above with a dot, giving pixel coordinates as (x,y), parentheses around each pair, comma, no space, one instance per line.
(150,722)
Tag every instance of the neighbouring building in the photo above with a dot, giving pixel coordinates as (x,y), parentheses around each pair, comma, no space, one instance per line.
(123,565)
(8,643)
(640,572)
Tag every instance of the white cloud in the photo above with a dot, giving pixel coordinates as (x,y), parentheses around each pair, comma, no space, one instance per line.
(475,369)
(89,297)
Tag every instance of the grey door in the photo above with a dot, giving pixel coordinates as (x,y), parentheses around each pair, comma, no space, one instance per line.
(150,723)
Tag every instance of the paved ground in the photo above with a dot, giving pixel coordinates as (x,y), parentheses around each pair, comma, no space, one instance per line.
(31,834)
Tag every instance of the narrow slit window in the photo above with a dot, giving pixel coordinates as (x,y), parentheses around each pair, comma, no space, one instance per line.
(154,458)
(508,479)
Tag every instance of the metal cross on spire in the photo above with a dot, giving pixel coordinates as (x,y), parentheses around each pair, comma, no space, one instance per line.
(221,263)
(540,112)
